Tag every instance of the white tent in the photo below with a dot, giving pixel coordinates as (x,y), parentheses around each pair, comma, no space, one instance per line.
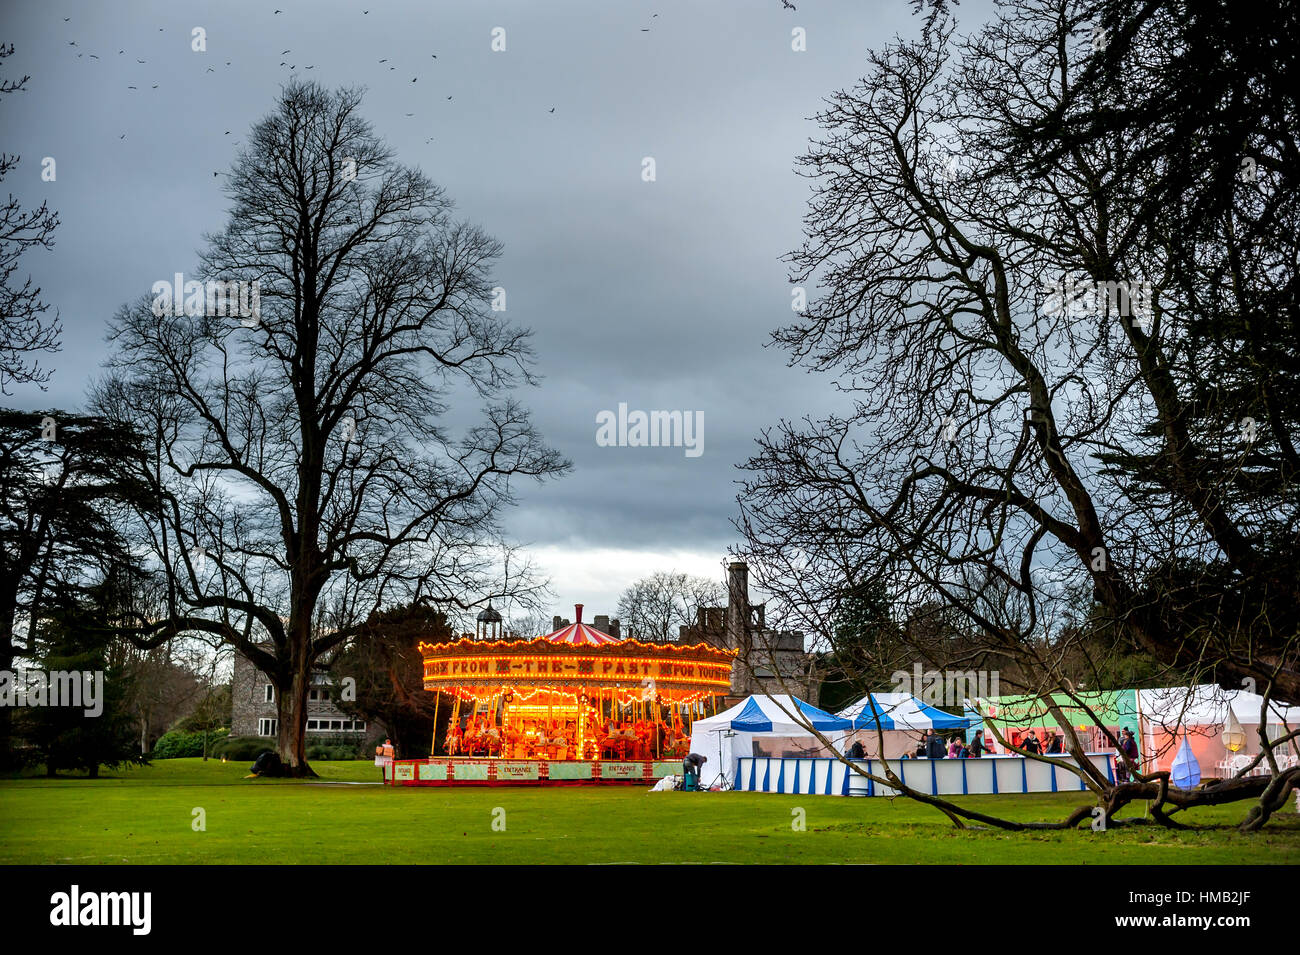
(725,737)
(1207,705)
(1200,714)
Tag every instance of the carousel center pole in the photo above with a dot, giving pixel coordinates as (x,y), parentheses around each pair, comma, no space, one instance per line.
(433,748)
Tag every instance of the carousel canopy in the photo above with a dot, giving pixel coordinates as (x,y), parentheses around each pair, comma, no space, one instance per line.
(577,660)
(579,634)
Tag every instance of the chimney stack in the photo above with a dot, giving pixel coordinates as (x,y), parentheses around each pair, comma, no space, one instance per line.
(737,604)
(577,613)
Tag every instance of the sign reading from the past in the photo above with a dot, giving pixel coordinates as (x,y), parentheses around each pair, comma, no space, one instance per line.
(572,669)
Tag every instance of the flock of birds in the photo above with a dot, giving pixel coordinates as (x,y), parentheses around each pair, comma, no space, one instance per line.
(786,4)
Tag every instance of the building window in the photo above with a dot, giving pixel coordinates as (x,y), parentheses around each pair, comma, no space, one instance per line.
(269,694)
(318,695)
(267,727)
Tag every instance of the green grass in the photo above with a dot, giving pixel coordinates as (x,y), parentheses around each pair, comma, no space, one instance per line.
(143,815)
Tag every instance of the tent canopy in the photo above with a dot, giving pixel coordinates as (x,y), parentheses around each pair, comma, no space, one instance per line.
(899,711)
(1112,707)
(1207,705)
(776,715)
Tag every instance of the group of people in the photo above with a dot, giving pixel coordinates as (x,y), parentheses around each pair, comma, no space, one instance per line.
(558,739)
(932,746)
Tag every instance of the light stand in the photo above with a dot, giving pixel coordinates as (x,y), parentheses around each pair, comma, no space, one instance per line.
(726,784)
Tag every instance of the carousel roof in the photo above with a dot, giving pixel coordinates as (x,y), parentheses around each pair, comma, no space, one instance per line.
(581,634)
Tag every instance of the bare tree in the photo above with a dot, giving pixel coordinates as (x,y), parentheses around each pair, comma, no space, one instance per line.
(307,471)
(654,607)
(1025,336)
(25,332)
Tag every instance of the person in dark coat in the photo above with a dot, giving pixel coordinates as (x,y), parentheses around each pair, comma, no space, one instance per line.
(934,748)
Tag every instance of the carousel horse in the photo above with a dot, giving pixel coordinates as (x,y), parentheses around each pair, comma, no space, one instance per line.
(452,742)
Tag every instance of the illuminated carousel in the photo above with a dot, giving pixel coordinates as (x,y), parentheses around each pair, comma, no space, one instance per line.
(574,706)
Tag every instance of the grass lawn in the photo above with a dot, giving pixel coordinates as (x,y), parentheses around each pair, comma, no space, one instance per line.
(143,815)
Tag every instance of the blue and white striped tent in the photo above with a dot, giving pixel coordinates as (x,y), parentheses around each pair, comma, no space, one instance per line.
(899,711)
(781,716)
(724,737)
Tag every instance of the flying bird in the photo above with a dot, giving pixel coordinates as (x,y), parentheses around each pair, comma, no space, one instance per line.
(66,19)
(385,60)
(410,114)
(227,132)
(283,52)
(552,109)
(448,97)
(788,5)
(93,57)
(133,87)
(414,78)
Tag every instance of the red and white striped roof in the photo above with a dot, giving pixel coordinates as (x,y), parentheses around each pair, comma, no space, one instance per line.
(580,634)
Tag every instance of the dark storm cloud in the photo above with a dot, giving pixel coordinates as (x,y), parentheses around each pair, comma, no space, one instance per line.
(659,295)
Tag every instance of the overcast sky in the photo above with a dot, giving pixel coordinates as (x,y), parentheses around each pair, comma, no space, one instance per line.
(660,295)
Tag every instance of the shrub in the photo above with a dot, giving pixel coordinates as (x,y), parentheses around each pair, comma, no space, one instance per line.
(241,748)
(179,745)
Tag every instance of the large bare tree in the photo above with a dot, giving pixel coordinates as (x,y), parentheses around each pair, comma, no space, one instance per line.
(25,330)
(654,607)
(317,461)
(1026,270)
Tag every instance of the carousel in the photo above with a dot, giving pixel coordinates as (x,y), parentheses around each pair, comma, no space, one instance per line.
(576,705)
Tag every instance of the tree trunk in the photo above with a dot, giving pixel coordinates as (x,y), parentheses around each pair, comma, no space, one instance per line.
(291,711)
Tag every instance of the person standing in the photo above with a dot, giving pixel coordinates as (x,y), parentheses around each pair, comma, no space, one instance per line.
(934,748)
(384,758)
(1130,755)
(976,748)
(1030,744)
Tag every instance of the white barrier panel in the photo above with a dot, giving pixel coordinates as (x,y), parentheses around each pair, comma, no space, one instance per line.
(988,775)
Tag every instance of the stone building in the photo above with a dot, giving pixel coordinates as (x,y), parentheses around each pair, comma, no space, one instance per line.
(253,708)
(769,661)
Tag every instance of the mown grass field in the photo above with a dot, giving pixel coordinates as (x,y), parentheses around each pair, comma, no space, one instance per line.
(144,816)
